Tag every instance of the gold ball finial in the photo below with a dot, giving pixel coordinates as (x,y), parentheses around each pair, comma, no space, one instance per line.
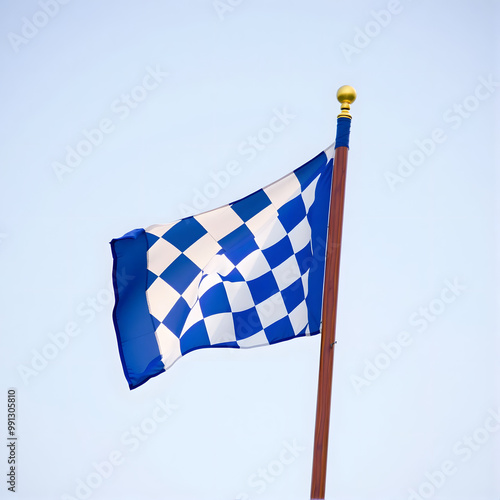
(346,95)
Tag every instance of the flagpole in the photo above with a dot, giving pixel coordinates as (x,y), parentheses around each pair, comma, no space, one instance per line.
(346,95)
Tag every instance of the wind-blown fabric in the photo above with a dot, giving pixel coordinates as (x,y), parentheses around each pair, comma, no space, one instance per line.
(247,274)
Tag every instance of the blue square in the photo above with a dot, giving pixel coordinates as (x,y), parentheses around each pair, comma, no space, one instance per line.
(279,331)
(308,172)
(235,237)
(238,244)
(234,276)
(156,323)
(181,273)
(291,213)
(263,287)
(293,295)
(304,258)
(251,205)
(177,316)
(185,233)
(237,253)
(246,323)
(279,252)
(150,279)
(232,344)
(214,301)
(151,239)
(195,338)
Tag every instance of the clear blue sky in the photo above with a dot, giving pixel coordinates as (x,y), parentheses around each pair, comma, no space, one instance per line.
(118,115)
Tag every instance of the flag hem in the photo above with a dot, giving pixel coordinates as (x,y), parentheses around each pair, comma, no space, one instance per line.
(131,316)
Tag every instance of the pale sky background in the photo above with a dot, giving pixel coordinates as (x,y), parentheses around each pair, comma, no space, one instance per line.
(223,70)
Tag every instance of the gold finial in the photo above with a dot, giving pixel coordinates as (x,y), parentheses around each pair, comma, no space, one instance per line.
(346,95)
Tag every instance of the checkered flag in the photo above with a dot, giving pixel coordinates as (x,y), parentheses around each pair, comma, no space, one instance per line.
(243,275)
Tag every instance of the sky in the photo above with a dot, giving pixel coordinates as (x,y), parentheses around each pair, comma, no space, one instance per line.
(122,114)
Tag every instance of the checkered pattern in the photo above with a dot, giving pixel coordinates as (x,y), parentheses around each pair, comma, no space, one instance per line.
(241,275)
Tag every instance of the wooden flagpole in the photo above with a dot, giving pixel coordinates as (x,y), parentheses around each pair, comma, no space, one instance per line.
(346,95)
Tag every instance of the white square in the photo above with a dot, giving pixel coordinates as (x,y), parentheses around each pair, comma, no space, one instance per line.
(240,298)
(219,222)
(193,317)
(286,273)
(305,283)
(161,298)
(161,255)
(160,229)
(261,219)
(283,190)
(207,282)
(220,328)
(300,235)
(298,317)
(271,310)
(253,266)
(202,250)
(169,345)
(270,234)
(255,340)
(309,194)
(219,264)
(330,152)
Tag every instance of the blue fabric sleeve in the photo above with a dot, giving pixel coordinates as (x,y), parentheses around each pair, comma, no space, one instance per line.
(135,331)
(343,130)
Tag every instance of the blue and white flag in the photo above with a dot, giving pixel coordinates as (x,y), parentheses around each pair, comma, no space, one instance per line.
(243,275)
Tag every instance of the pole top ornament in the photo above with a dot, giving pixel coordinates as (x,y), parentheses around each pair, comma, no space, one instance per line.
(346,95)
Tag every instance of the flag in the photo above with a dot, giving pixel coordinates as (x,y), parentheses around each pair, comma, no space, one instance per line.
(247,274)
